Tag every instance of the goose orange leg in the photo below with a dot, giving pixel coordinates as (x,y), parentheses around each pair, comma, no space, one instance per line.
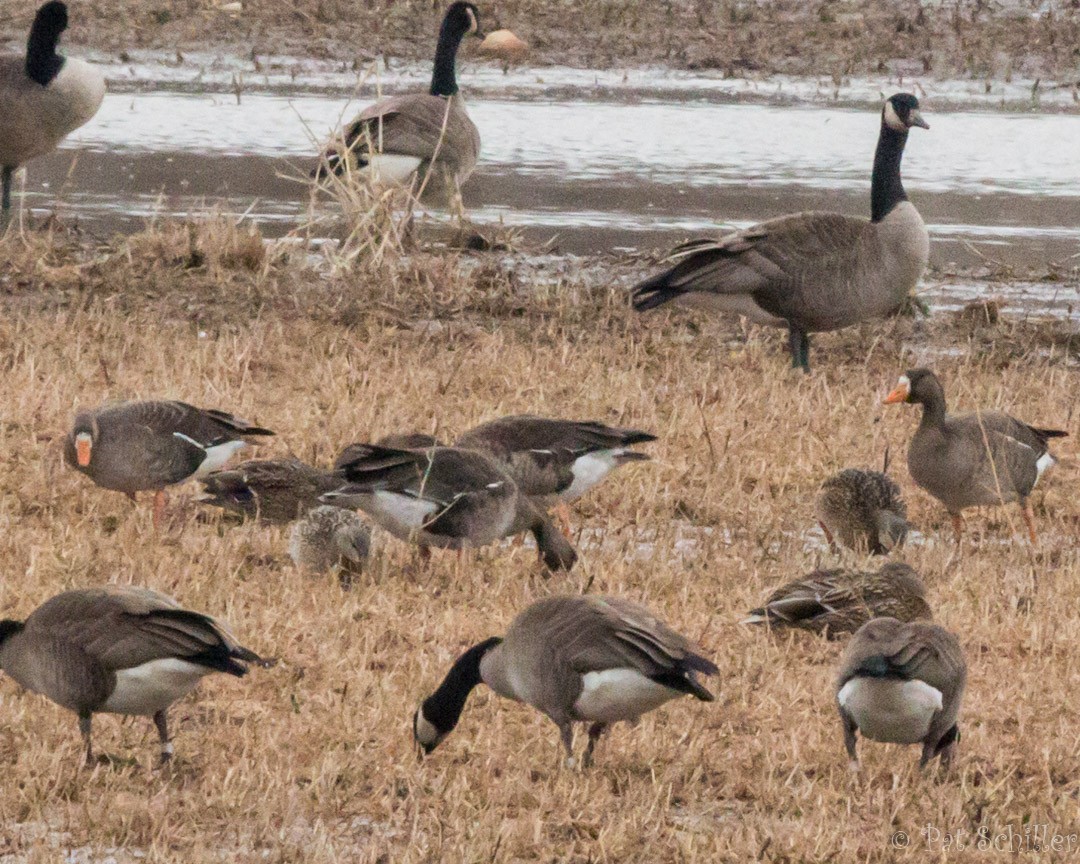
(1029,520)
(562,513)
(161,498)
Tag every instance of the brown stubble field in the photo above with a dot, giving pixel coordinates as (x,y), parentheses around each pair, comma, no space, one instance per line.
(313,760)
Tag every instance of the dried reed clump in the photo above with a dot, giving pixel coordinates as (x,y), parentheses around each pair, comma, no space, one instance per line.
(313,761)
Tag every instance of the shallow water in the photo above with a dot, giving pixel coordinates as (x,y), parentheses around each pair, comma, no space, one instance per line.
(597,175)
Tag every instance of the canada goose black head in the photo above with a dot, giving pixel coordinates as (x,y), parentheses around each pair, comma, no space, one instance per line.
(42,62)
(901,112)
(461,20)
(916,386)
(439,713)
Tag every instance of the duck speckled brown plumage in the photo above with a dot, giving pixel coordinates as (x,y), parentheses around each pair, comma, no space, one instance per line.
(841,601)
(330,538)
(276,491)
(863,510)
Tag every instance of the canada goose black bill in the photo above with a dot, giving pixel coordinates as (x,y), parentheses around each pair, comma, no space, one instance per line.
(43,97)
(902,684)
(587,659)
(118,650)
(812,272)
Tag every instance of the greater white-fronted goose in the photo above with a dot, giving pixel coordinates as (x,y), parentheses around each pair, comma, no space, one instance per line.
(118,650)
(330,538)
(425,139)
(145,446)
(44,96)
(902,684)
(270,490)
(555,460)
(863,510)
(972,460)
(447,498)
(841,601)
(812,272)
(588,659)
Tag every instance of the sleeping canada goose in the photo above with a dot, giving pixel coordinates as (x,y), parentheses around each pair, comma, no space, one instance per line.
(447,498)
(841,601)
(863,510)
(271,490)
(972,460)
(555,460)
(812,272)
(902,684)
(588,659)
(118,650)
(398,140)
(141,446)
(330,538)
(43,96)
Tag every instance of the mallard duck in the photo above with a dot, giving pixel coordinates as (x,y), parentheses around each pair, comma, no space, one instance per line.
(864,510)
(330,538)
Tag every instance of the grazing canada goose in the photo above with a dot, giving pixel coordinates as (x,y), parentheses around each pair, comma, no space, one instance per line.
(118,650)
(812,272)
(447,498)
(972,460)
(587,659)
(43,96)
(902,684)
(271,490)
(841,601)
(330,538)
(140,446)
(401,139)
(555,460)
(864,510)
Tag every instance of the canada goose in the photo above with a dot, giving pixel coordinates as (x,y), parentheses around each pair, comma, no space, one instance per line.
(330,538)
(271,490)
(140,446)
(398,140)
(555,460)
(972,460)
(588,659)
(902,684)
(447,498)
(118,650)
(841,601)
(395,441)
(43,96)
(864,510)
(812,272)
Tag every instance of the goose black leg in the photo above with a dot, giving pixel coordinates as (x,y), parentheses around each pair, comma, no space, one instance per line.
(799,343)
(84,728)
(5,196)
(162,724)
(595,731)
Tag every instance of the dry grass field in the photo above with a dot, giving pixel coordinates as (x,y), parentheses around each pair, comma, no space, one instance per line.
(313,760)
(960,38)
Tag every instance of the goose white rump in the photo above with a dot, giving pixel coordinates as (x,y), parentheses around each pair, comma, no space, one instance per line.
(619,694)
(891,710)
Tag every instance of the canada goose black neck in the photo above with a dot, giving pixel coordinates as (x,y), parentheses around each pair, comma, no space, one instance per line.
(443,708)
(886,188)
(9,628)
(43,64)
(454,28)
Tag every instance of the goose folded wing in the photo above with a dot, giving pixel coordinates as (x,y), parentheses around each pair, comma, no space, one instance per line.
(410,125)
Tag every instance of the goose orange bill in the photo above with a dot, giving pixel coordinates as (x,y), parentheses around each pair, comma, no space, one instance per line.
(899,394)
(82,452)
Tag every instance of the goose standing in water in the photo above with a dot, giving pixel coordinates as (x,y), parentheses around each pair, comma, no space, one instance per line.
(812,272)
(43,97)
(596,660)
(983,459)
(426,138)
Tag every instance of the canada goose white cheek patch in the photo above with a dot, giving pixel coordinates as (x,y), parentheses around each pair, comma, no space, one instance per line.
(891,710)
(426,733)
(589,470)
(149,688)
(619,694)
(892,119)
